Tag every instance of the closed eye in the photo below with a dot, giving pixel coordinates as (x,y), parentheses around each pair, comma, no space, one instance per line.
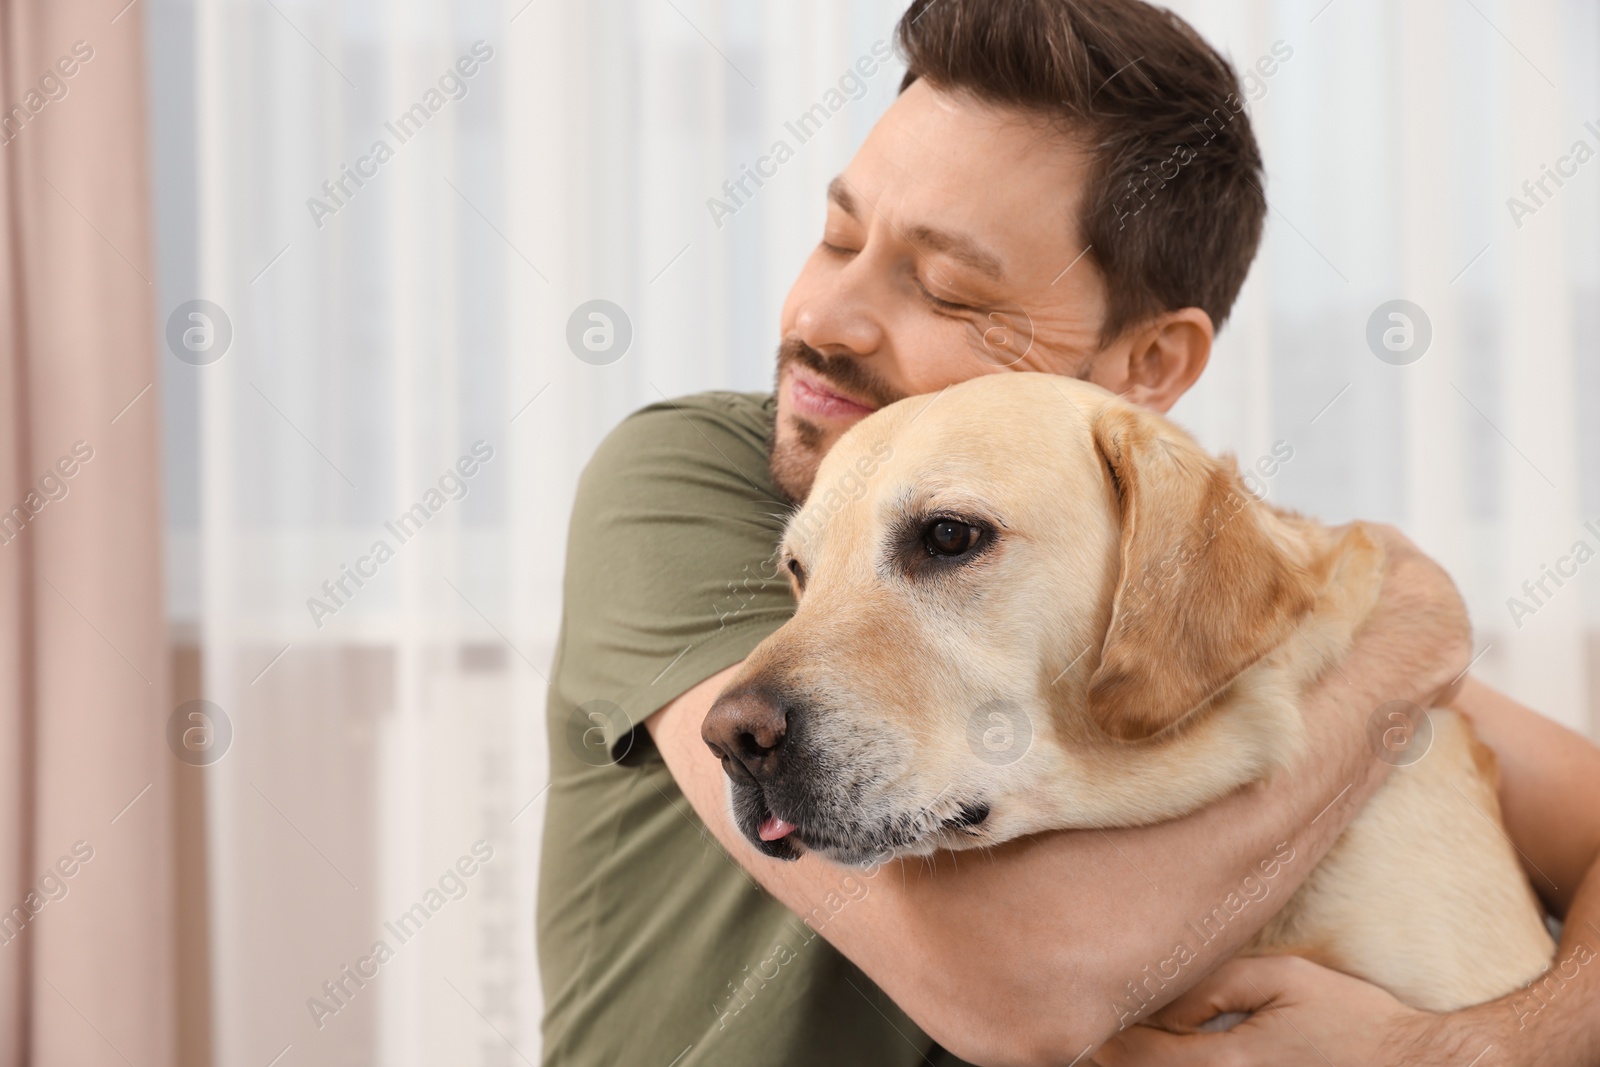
(939,302)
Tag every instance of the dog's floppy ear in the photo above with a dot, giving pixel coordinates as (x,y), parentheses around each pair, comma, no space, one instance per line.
(1204,592)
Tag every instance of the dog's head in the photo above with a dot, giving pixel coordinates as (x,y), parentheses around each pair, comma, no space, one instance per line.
(1012,596)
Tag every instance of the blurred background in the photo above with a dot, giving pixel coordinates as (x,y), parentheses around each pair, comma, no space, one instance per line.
(274,340)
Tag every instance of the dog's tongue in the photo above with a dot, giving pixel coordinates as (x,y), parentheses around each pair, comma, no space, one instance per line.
(774,829)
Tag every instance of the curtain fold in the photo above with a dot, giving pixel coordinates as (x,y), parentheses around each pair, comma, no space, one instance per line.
(86,917)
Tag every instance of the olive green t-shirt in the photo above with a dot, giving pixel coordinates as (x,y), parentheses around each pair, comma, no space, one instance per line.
(656,949)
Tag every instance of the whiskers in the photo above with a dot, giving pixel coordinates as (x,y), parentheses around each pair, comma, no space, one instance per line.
(777,521)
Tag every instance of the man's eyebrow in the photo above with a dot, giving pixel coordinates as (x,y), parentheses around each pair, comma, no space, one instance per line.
(957,247)
(925,238)
(839,193)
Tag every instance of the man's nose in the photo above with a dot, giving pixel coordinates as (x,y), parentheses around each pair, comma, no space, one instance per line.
(745,730)
(841,315)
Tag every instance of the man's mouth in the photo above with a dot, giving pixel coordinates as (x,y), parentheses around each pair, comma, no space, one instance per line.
(812,397)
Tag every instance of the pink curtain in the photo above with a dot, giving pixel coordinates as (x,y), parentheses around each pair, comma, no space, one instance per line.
(87,922)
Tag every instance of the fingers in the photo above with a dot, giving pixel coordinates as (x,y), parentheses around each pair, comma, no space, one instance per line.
(1334,1010)
(1240,986)
(1394,542)
(1420,598)
(1447,696)
(1144,1046)
(1245,985)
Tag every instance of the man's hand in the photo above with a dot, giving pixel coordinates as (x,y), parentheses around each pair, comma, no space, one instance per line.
(1418,591)
(1301,1015)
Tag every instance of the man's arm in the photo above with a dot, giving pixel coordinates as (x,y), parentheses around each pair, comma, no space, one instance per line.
(1549,792)
(1550,796)
(1025,953)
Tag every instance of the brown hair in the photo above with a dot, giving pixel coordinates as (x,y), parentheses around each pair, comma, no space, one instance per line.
(1149,98)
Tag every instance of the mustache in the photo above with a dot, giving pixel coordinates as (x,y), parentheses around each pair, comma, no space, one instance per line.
(847,372)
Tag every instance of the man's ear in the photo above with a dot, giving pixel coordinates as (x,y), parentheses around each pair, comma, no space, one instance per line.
(1156,361)
(1204,591)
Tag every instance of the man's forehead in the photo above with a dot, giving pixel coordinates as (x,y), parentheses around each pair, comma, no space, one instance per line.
(956,176)
(957,131)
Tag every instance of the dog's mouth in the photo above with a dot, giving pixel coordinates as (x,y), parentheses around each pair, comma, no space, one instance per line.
(773,828)
(788,830)
(773,835)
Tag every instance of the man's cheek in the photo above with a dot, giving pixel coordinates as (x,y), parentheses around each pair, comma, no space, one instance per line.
(943,357)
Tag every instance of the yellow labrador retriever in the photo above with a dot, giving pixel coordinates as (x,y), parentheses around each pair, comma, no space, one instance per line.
(1026,605)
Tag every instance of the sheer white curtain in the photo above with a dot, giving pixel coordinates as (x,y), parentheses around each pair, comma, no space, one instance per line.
(384,327)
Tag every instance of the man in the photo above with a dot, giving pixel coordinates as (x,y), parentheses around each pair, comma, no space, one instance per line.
(1013,210)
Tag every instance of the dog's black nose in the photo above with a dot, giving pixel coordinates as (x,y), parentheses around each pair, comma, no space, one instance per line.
(745,729)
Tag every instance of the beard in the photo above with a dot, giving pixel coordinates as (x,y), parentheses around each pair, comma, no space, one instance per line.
(798,444)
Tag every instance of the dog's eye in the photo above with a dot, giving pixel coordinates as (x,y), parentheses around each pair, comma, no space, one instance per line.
(798,571)
(950,537)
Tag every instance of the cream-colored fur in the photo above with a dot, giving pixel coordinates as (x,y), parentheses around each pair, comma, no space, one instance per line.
(1135,638)
(1423,894)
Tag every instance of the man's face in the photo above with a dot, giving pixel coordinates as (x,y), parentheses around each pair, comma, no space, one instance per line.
(951,250)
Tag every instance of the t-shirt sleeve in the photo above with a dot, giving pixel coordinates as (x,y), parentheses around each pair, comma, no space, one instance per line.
(670,573)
